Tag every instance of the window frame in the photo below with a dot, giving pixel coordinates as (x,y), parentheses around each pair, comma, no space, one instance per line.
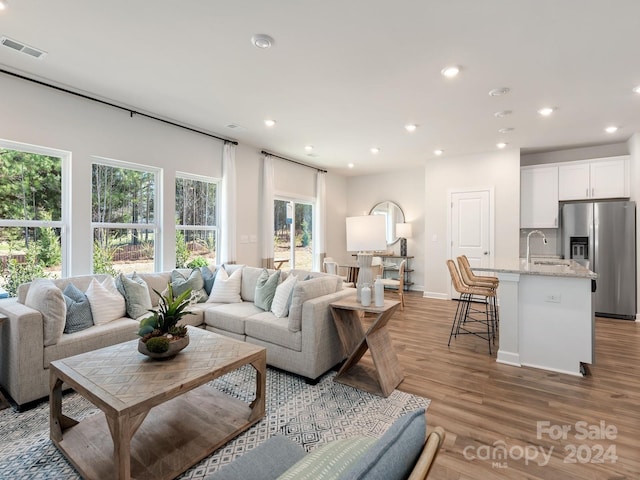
(302,200)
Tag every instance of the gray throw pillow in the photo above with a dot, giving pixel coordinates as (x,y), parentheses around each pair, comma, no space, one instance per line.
(209,276)
(195,282)
(78,310)
(266,289)
(136,294)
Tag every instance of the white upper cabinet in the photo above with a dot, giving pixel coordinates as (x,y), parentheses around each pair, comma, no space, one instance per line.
(594,179)
(539,197)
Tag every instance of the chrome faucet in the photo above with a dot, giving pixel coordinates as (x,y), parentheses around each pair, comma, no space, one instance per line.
(544,240)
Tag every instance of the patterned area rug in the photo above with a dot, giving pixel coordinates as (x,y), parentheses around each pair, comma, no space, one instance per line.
(311,415)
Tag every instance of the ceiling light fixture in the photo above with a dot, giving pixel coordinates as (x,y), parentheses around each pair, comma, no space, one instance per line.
(546,111)
(270,123)
(498,92)
(502,113)
(411,127)
(636,89)
(3,4)
(611,129)
(261,40)
(438,151)
(351,165)
(375,150)
(506,130)
(308,148)
(501,145)
(451,71)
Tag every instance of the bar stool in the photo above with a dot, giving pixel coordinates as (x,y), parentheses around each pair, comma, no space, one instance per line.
(464,317)
(473,280)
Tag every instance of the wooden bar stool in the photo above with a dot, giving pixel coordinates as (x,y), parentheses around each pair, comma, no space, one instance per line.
(472,280)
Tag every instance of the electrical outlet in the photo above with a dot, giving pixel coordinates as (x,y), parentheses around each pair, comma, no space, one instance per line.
(553,298)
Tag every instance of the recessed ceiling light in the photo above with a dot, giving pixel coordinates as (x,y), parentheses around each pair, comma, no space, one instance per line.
(3,4)
(497,92)
(261,40)
(375,150)
(506,130)
(438,151)
(451,71)
(411,127)
(308,148)
(611,129)
(546,111)
(502,113)
(269,122)
(501,144)
(351,165)
(636,89)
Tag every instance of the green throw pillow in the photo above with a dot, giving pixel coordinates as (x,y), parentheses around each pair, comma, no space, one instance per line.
(78,310)
(266,289)
(209,276)
(195,282)
(135,293)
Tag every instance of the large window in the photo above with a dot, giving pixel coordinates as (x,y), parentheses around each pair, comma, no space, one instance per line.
(196,220)
(124,219)
(293,225)
(32,213)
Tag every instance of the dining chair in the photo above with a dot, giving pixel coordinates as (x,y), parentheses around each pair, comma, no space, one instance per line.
(397,283)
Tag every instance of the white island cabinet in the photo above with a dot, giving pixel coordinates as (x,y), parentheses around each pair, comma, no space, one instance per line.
(546,314)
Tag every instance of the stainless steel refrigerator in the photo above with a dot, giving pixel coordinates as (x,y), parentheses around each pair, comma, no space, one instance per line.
(602,237)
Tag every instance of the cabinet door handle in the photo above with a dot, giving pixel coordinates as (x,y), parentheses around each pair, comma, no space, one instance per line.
(593,192)
(587,193)
(555,221)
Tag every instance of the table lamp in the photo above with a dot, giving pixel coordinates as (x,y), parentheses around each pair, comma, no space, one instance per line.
(403,231)
(365,234)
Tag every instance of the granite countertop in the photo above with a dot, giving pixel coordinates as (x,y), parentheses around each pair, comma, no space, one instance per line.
(552,267)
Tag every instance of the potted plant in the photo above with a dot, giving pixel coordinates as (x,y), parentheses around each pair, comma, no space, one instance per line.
(161,336)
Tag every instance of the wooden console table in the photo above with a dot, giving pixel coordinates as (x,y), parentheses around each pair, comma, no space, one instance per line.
(386,373)
(158,417)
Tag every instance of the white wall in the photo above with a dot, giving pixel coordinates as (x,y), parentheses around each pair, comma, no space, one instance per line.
(634,151)
(404,187)
(500,170)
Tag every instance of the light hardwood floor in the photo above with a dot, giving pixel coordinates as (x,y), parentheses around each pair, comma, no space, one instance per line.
(484,405)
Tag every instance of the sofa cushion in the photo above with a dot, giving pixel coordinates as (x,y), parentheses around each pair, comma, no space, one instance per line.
(329,460)
(180,283)
(306,290)
(393,456)
(157,282)
(250,277)
(308,275)
(45,297)
(230,316)
(282,297)
(265,288)
(136,294)
(226,288)
(106,302)
(267,327)
(78,310)
(209,277)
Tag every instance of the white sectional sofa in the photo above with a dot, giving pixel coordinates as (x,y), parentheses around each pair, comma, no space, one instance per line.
(304,342)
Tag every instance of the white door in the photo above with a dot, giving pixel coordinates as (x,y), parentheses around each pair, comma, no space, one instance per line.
(471,226)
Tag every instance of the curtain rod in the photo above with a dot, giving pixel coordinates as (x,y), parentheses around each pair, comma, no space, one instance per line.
(264,152)
(131,112)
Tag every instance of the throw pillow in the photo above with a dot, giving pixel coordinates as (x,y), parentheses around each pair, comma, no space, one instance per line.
(136,294)
(266,289)
(106,302)
(282,297)
(45,297)
(306,290)
(195,282)
(78,310)
(329,460)
(209,276)
(226,289)
(394,454)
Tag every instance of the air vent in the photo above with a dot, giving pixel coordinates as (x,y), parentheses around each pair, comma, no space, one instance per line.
(23,48)
(234,126)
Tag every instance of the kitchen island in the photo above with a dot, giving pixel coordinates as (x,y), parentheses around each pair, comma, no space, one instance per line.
(546,313)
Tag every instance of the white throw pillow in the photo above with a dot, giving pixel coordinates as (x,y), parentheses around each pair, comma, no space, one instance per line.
(226,289)
(48,299)
(282,298)
(105,300)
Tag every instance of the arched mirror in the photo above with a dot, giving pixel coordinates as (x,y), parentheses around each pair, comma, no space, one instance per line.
(393,214)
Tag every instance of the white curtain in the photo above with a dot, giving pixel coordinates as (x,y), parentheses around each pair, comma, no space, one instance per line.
(266,213)
(227,247)
(319,220)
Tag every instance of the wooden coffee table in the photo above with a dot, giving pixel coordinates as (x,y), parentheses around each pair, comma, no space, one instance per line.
(386,373)
(158,418)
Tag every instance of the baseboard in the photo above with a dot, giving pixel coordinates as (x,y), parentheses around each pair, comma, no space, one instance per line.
(436,295)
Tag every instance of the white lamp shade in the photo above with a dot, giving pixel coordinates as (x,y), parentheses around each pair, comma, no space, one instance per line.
(366,233)
(403,230)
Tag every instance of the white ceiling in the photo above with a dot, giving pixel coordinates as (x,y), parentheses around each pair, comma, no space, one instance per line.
(346,75)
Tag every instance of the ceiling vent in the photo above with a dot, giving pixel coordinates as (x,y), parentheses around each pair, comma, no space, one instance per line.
(23,48)
(235,126)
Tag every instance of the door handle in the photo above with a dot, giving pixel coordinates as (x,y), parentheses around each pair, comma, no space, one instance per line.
(486,253)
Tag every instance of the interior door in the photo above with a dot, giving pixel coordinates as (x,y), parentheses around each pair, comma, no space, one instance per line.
(471,226)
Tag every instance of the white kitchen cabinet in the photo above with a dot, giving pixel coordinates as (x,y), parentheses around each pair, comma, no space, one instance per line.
(539,197)
(594,179)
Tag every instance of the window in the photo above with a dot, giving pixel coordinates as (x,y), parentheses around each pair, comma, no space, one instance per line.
(196,220)
(32,214)
(125,227)
(293,219)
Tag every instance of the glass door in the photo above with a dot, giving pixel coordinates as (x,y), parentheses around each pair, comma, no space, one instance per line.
(293,235)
